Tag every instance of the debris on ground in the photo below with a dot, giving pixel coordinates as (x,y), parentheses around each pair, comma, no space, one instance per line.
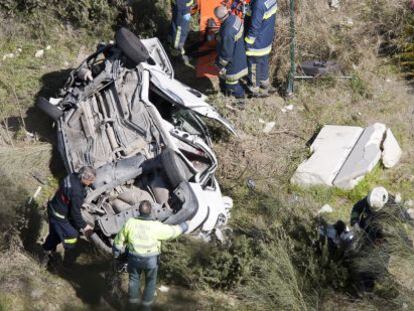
(164,289)
(287,108)
(251,184)
(269,127)
(37,192)
(342,155)
(39,53)
(9,55)
(325,209)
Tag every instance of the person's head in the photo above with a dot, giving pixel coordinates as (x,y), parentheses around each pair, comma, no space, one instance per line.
(87,175)
(221,12)
(340,227)
(145,208)
(377,198)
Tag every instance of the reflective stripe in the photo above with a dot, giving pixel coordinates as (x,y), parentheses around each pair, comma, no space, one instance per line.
(253,77)
(270,13)
(239,34)
(223,61)
(236,76)
(57,214)
(147,303)
(232,82)
(259,52)
(134,300)
(177,37)
(70,241)
(249,40)
(154,253)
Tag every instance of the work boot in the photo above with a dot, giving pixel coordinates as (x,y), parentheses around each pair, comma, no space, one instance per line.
(270,89)
(69,258)
(256,92)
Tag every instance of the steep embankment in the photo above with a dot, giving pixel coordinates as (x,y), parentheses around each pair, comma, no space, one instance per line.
(271,262)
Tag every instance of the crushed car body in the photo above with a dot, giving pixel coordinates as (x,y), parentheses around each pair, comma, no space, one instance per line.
(122,112)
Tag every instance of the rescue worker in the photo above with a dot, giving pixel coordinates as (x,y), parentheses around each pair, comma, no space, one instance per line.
(339,239)
(231,59)
(260,31)
(382,221)
(180,26)
(363,211)
(142,237)
(64,212)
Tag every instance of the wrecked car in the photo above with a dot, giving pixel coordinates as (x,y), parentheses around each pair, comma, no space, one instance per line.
(123,112)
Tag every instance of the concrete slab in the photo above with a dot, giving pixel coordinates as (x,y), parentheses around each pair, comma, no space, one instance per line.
(363,158)
(391,153)
(330,150)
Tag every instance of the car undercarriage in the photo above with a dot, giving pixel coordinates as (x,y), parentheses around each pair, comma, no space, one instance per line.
(123,113)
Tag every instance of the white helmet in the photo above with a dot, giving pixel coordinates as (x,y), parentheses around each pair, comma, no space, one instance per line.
(377,198)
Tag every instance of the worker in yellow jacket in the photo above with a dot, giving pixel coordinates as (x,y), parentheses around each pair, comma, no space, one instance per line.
(142,237)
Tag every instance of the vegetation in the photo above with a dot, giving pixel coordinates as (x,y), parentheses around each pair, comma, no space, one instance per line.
(270,262)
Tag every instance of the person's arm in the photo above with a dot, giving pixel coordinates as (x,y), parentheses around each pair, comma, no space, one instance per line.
(168,232)
(258,11)
(76,201)
(119,241)
(225,54)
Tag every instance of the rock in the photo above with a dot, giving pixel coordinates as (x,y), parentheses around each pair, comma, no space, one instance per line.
(287,108)
(164,289)
(363,158)
(326,209)
(19,50)
(39,53)
(330,150)
(391,153)
(409,203)
(398,198)
(48,48)
(410,213)
(9,55)
(268,127)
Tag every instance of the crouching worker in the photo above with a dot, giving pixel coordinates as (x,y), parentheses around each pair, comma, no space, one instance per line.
(64,212)
(339,239)
(142,237)
(231,59)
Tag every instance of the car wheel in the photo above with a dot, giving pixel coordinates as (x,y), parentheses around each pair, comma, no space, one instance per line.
(176,169)
(51,110)
(131,46)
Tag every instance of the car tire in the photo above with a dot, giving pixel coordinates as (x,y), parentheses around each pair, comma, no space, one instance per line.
(51,110)
(176,169)
(131,46)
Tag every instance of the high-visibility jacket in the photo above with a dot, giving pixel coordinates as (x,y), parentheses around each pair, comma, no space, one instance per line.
(180,24)
(143,236)
(66,204)
(260,27)
(231,49)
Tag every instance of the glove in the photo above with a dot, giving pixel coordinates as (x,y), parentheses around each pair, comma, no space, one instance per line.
(187,17)
(356,227)
(87,231)
(222,73)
